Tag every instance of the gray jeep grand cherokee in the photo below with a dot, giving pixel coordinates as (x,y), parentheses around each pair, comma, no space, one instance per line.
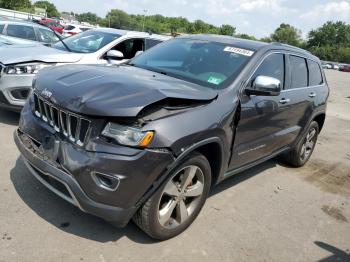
(148,139)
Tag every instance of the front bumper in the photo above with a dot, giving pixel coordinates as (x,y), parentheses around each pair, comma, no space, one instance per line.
(14,89)
(137,171)
(67,188)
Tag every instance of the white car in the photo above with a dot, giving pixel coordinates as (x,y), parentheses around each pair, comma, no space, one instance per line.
(20,63)
(73,29)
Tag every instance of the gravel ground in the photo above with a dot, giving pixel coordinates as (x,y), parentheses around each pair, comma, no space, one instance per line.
(269,213)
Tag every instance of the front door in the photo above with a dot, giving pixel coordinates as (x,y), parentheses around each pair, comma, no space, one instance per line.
(264,123)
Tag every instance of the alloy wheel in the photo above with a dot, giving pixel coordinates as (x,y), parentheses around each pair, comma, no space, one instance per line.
(309,144)
(181,196)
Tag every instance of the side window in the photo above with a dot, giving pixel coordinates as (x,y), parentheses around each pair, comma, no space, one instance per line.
(47,36)
(315,75)
(151,43)
(130,47)
(272,66)
(299,72)
(21,31)
(2,28)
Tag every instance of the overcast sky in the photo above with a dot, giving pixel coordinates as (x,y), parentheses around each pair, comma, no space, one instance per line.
(255,17)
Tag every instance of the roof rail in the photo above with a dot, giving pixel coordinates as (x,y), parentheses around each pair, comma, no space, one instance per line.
(290,46)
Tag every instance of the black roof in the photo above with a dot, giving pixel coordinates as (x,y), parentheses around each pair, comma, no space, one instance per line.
(248,44)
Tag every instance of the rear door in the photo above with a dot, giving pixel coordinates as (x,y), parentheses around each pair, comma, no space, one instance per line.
(21,31)
(297,91)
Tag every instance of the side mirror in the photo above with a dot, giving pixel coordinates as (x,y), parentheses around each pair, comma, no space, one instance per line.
(265,86)
(138,53)
(115,54)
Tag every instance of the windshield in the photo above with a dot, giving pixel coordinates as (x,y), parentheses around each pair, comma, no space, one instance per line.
(87,42)
(210,64)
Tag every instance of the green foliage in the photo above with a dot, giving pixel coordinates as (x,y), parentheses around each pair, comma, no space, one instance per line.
(88,17)
(330,33)
(51,9)
(287,34)
(118,19)
(266,39)
(15,4)
(343,54)
(246,36)
(227,30)
(331,42)
(161,24)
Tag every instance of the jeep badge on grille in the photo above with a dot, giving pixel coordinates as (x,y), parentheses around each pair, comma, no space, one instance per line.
(46,93)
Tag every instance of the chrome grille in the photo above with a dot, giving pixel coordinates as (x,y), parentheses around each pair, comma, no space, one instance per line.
(74,127)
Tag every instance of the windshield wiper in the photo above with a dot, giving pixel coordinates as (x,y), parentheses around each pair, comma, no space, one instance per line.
(63,43)
(148,68)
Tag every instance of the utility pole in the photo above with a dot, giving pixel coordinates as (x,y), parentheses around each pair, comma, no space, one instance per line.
(144,18)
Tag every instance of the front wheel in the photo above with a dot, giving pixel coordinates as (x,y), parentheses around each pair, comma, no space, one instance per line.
(301,153)
(178,202)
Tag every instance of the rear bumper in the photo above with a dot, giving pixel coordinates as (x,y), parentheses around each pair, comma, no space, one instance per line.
(65,186)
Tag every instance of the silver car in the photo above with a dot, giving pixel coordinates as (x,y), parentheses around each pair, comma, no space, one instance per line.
(20,63)
(29,31)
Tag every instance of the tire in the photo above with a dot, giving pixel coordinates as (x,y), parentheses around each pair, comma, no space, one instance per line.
(303,150)
(175,199)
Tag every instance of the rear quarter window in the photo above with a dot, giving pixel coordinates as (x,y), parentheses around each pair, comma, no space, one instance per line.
(315,75)
(299,72)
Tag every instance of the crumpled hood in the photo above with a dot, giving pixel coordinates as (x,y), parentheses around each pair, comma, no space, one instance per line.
(14,54)
(118,91)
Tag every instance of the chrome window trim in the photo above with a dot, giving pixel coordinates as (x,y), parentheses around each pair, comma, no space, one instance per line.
(283,53)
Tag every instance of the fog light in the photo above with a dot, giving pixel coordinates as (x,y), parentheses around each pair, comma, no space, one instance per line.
(107,182)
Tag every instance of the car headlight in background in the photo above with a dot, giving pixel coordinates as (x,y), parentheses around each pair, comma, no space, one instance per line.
(21,69)
(128,136)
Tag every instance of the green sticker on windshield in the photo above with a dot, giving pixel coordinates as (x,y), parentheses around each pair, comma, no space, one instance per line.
(214,80)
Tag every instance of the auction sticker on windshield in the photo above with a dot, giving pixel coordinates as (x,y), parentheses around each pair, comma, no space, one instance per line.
(239,51)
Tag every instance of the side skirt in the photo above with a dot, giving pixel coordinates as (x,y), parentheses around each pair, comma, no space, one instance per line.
(257,162)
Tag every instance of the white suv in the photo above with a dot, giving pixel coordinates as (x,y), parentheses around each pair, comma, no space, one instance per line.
(18,65)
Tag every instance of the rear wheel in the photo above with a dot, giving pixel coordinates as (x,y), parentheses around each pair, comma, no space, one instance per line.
(301,153)
(178,202)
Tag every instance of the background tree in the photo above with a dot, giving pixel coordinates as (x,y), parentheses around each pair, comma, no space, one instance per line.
(227,30)
(51,9)
(331,42)
(88,17)
(246,36)
(266,39)
(118,19)
(329,34)
(15,4)
(287,34)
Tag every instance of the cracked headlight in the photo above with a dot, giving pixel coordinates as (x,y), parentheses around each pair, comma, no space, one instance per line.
(21,69)
(129,136)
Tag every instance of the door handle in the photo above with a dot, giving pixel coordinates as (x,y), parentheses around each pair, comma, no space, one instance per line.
(284,100)
(312,94)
